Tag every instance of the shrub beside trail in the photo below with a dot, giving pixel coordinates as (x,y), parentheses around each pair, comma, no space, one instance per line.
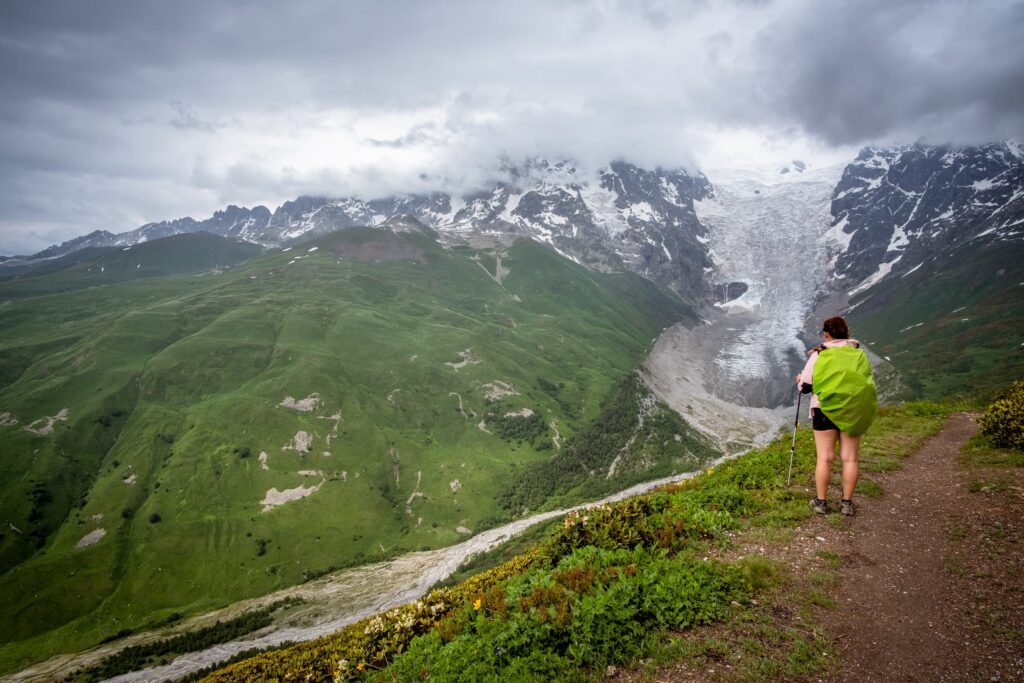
(1003,422)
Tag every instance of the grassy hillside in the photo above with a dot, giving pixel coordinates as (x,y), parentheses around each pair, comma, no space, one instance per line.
(174,444)
(634,580)
(98,266)
(954,325)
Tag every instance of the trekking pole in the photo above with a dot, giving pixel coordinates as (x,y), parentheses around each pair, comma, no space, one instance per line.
(792,448)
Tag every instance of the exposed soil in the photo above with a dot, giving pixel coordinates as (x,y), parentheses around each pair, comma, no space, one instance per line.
(305,405)
(46,423)
(275,497)
(932,575)
(385,246)
(903,614)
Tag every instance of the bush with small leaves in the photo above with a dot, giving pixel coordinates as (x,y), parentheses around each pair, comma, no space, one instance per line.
(1003,422)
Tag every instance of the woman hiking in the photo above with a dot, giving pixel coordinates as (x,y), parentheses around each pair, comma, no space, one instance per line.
(843,405)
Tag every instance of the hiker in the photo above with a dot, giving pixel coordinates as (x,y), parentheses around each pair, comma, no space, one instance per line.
(842,382)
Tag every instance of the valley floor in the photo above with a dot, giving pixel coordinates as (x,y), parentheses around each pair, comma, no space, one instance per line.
(925,583)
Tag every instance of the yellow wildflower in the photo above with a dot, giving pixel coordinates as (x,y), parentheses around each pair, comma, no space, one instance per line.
(361,665)
(477,603)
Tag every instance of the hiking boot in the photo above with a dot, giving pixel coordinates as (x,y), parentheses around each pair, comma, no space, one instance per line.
(846,507)
(819,506)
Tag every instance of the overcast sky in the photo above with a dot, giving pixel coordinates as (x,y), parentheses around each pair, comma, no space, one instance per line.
(113,114)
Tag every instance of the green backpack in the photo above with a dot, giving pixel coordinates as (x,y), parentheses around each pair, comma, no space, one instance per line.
(842,381)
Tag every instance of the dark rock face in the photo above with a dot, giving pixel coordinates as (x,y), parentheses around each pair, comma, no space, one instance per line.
(662,240)
(729,291)
(96,238)
(900,207)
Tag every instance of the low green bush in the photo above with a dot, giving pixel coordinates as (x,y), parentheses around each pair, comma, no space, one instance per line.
(596,607)
(1003,422)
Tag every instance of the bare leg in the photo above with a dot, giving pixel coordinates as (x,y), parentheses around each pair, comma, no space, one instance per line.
(848,448)
(825,443)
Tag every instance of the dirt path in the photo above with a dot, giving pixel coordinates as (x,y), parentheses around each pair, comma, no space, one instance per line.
(902,615)
(931,577)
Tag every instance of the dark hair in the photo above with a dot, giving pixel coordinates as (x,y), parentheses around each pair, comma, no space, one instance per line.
(836,327)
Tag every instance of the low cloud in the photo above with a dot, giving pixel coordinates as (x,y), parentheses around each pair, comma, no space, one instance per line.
(115,114)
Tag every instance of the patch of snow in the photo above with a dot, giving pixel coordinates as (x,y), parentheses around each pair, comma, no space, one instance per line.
(898,241)
(875,277)
(912,269)
(8,419)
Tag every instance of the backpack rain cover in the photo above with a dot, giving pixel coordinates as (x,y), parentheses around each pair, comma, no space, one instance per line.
(843,383)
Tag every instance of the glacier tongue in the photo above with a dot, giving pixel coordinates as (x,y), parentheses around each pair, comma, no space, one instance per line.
(764,231)
(733,375)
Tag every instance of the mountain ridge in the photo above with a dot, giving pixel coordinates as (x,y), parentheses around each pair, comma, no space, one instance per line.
(623,215)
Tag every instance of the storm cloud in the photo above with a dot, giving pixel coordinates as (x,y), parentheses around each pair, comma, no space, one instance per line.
(118,113)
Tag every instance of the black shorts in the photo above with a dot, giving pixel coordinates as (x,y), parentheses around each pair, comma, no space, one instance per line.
(820,421)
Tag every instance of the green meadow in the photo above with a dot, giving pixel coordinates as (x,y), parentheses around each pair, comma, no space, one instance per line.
(953,326)
(172,441)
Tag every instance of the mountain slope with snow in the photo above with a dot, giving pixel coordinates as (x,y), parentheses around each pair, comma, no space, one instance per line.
(927,244)
(619,216)
(895,208)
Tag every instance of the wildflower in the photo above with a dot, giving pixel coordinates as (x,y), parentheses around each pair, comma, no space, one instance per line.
(361,665)
(477,603)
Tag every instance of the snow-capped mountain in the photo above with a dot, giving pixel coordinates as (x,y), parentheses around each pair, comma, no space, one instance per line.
(624,214)
(620,215)
(893,209)
(887,212)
